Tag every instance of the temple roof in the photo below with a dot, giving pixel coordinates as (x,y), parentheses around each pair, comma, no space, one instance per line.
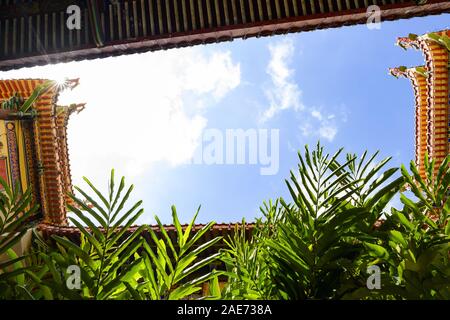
(431,88)
(50,142)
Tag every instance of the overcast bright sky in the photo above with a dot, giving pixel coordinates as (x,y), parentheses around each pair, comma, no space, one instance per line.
(146,113)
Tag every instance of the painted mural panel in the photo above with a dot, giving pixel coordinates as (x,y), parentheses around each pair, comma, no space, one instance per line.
(13,153)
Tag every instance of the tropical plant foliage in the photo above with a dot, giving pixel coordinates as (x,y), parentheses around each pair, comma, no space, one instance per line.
(170,270)
(321,244)
(246,258)
(103,254)
(413,246)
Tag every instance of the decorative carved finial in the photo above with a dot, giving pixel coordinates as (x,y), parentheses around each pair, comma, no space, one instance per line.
(411,41)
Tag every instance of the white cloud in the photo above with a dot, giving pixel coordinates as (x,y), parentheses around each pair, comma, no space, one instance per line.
(284,92)
(136,113)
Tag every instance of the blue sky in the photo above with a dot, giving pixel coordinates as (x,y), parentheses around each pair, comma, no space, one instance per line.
(146,113)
